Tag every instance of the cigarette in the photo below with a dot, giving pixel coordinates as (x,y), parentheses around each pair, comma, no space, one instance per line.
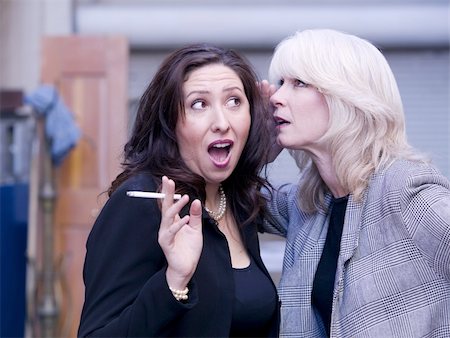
(146,194)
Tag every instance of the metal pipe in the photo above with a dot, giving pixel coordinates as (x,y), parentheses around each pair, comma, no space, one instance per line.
(48,309)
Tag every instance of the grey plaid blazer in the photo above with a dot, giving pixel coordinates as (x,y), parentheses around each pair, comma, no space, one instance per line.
(393,272)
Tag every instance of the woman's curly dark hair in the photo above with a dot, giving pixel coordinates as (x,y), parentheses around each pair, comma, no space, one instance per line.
(153,147)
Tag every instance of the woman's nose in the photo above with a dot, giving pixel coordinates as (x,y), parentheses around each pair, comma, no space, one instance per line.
(221,122)
(277,98)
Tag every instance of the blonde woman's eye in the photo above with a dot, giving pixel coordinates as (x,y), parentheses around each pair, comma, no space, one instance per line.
(198,104)
(280,82)
(300,83)
(233,102)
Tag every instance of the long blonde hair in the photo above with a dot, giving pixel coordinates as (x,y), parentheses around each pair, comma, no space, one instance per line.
(367,123)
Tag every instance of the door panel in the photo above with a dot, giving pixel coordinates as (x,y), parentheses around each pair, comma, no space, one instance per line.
(91,75)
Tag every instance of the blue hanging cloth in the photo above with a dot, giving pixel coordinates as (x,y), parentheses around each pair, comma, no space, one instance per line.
(60,127)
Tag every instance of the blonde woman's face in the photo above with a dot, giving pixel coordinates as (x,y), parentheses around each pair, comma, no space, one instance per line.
(301,115)
(216,123)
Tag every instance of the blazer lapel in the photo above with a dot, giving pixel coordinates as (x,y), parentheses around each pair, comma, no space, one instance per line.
(352,228)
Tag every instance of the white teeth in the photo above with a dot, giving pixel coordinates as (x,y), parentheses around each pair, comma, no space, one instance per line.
(221,145)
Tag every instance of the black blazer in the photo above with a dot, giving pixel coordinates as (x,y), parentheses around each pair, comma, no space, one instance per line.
(124,274)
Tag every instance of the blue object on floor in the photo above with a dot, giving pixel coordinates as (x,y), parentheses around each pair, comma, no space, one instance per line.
(13,246)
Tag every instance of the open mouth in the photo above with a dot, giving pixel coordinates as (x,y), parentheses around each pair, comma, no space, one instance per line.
(219,151)
(280,121)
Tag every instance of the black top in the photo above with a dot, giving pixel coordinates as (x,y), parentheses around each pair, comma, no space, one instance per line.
(255,302)
(126,293)
(323,285)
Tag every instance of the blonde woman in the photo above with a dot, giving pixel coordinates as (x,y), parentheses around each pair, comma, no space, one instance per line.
(368,225)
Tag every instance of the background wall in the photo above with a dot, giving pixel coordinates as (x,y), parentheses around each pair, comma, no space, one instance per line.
(22,24)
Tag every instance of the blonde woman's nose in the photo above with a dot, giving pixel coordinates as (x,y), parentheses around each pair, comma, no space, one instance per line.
(277,98)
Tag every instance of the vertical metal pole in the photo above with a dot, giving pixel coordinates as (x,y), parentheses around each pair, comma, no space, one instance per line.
(48,308)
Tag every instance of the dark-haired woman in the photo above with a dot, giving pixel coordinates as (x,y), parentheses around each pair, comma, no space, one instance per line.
(189,266)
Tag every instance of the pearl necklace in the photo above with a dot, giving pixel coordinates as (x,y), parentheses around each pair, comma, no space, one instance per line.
(217,215)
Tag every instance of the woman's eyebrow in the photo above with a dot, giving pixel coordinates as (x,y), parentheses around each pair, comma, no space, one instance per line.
(197,92)
(229,89)
(201,91)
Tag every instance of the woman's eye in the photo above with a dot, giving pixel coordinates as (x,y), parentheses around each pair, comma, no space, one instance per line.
(198,104)
(280,82)
(300,83)
(233,102)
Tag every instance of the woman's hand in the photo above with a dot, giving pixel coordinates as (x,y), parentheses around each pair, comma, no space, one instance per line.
(181,239)
(266,89)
